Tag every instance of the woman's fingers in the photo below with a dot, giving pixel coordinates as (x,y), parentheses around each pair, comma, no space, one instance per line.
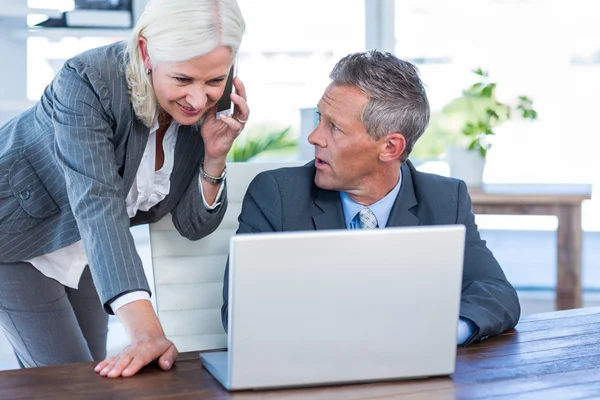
(167,360)
(102,364)
(142,351)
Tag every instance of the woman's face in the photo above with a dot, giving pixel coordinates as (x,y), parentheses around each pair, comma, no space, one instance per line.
(186,90)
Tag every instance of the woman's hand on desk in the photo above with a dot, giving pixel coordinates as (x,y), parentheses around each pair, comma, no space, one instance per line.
(148,343)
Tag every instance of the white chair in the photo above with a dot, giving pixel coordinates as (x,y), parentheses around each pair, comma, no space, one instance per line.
(188,275)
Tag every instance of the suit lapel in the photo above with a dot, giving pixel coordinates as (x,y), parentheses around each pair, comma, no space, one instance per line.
(136,144)
(328,212)
(188,153)
(403,211)
(189,150)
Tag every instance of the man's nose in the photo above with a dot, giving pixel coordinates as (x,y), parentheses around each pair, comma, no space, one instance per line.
(316,138)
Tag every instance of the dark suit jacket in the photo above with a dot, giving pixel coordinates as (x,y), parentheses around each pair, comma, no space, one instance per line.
(288,200)
(68,163)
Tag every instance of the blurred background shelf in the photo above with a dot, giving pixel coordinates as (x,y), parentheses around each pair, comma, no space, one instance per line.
(59,33)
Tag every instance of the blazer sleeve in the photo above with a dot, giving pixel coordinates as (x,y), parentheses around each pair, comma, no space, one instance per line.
(83,124)
(261,212)
(191,218)
(488,299)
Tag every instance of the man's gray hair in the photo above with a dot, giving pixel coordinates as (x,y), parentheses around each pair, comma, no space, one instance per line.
(397,98)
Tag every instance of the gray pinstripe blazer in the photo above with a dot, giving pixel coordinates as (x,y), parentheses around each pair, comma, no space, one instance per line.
(66,166)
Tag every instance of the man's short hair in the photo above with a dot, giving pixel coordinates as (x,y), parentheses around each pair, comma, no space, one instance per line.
(397,98)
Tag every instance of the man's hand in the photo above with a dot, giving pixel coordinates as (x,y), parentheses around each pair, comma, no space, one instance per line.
(148,343)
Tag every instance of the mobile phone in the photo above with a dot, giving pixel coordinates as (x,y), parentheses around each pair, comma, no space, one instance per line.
(225,105)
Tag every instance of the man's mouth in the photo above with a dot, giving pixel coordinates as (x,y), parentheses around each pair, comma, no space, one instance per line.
(319,162)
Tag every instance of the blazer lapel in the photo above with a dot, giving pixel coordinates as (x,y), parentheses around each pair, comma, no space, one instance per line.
(136,144)
(328,212)
(404,210)
(189,150)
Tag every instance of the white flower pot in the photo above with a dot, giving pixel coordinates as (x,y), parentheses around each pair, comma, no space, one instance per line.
(466,165)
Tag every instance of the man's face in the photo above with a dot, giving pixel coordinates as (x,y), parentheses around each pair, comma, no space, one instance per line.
(346,157)
(187,89)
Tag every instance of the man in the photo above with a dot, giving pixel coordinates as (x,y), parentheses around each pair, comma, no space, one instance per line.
(370,117)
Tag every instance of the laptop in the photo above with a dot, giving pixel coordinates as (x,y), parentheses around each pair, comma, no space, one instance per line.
(341,306)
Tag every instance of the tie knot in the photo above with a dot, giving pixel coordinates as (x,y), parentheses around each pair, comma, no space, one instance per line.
(367,219)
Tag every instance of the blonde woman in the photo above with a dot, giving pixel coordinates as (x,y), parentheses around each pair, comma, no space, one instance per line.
(123,135)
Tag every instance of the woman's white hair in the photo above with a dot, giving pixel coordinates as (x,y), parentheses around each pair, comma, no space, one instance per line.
(177,31)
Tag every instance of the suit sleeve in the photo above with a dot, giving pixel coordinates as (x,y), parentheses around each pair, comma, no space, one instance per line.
(488,299)
(190,216)
(83,125)
(261,212)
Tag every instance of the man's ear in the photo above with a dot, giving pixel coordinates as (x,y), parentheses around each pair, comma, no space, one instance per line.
(143,46)
(394,145)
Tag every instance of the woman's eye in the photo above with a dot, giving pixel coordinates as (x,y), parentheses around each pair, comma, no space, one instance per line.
(181,80)
(217,82)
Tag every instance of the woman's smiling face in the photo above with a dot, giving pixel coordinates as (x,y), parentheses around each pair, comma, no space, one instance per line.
(185,90)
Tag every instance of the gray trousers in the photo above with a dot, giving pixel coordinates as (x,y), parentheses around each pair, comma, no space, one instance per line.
(48,323)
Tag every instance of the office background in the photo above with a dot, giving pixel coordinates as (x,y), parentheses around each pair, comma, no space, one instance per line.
(546,49)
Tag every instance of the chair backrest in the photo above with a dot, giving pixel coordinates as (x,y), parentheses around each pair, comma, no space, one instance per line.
(188,275)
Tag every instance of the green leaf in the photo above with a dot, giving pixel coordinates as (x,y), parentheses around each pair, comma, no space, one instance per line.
(488,90)
(482,152)
(492,114)
(476,88)
(470,129)
(526,101)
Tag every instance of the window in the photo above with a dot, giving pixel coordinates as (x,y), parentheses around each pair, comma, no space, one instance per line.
(549,51)
(46,56)
(288,52)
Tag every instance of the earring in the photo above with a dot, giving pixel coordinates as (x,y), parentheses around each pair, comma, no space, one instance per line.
(148,71)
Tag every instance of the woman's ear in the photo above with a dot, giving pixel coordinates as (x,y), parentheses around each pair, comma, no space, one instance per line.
(394,145)
(143,46)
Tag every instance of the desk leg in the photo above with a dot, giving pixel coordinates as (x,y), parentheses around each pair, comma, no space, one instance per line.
(569,237)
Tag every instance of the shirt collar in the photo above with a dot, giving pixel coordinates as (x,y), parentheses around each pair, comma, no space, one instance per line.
(382,208)
(154,126)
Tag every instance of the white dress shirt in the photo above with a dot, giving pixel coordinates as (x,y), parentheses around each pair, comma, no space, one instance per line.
(149,188)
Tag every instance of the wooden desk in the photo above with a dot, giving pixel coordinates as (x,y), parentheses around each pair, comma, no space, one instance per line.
(548,356)
(564,201)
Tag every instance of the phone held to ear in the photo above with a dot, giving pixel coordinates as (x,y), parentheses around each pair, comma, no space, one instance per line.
(225,105)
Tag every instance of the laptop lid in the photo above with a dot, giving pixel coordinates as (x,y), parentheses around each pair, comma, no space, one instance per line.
(340,306)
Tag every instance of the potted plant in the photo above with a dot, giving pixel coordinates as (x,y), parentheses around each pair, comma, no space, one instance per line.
(464,127)
(484,112)
(251,144)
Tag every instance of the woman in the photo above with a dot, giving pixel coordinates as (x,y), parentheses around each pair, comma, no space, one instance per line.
(123,135)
